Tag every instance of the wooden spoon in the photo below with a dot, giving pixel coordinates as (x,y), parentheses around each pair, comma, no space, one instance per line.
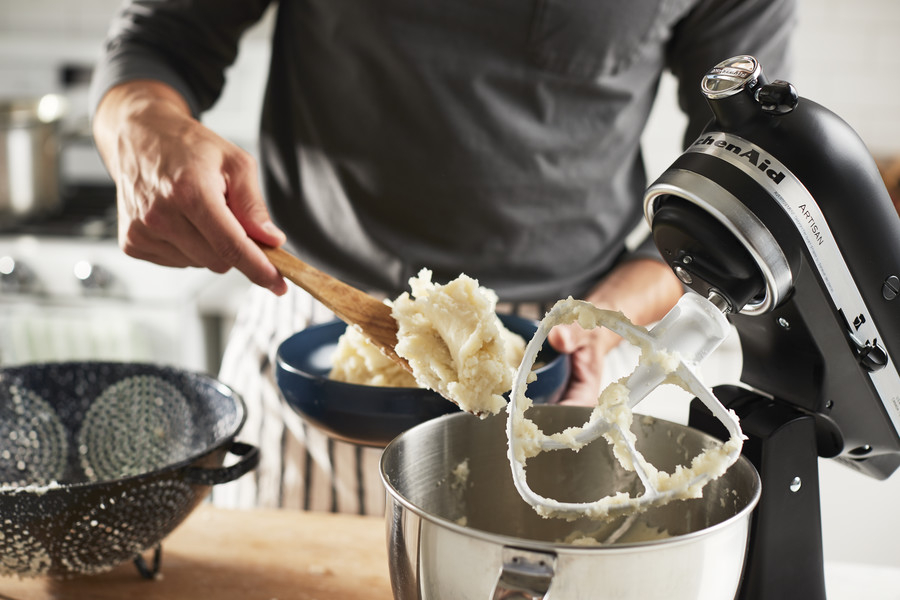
(351,305)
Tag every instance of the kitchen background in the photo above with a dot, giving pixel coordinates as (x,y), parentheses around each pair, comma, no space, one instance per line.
(846,55)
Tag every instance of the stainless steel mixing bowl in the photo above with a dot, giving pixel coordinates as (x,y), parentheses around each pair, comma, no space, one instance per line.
(457,528)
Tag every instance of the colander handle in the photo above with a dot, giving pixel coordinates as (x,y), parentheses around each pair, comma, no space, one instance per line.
(249,459)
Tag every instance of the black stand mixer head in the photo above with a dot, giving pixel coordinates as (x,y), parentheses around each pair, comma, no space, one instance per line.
(779,211)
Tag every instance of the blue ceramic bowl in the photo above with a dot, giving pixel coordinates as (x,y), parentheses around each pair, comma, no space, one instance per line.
(373,416)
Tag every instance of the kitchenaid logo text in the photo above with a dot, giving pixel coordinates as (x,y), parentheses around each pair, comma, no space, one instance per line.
(752,156)
(802,213)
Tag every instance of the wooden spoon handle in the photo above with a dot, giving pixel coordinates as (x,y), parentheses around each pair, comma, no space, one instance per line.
(349,304)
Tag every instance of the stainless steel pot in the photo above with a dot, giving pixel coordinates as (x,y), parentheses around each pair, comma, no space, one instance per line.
(29,157)
(457,529)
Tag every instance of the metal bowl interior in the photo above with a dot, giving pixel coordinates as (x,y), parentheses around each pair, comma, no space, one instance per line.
(373,416)
(443,525)
(101,460)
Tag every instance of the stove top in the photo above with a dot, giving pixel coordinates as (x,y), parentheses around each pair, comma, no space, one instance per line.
(87,211)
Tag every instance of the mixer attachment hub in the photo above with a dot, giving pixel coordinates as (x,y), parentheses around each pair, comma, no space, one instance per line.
(705,255)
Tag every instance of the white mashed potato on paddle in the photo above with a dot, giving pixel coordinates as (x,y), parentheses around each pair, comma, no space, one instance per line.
(452,338)
(614,413)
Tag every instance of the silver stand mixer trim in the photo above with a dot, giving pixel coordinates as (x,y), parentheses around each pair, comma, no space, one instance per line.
(738,219)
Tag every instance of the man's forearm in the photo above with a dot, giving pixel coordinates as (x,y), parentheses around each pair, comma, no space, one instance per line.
(124,101)
(643,289)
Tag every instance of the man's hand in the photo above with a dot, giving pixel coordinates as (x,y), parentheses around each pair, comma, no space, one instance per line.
(644,290)
(186,197)
(588,349)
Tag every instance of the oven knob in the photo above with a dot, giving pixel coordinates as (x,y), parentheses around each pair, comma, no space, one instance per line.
(93,278)
(16,277)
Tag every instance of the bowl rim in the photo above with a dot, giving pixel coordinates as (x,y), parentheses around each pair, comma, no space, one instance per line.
(167,469)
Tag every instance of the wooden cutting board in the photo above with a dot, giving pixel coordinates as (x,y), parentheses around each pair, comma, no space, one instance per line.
(247,555)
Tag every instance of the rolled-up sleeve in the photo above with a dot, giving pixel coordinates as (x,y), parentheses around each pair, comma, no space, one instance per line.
(187,44)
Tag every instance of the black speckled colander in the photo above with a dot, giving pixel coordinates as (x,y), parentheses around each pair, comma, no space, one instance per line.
(100,461)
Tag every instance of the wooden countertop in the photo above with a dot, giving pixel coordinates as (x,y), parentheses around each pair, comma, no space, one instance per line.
(243,554)
(293,555)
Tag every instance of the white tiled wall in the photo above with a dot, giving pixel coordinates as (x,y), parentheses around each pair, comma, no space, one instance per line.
(40,37)
(83,18)
(846,56)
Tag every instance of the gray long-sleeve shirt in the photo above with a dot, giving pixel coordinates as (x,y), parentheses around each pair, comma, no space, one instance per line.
(500,138)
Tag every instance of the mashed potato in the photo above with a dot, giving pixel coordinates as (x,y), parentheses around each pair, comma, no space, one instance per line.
(453,340)
(357,360)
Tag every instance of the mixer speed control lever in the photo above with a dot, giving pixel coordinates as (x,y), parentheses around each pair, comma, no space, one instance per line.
(871,355)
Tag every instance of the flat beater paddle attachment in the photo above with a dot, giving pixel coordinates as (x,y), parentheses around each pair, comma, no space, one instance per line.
(670,352)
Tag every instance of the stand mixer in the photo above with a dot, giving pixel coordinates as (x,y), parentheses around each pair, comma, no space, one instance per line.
(778,211)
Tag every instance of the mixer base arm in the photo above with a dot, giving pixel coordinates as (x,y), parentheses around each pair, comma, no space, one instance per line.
(785,554)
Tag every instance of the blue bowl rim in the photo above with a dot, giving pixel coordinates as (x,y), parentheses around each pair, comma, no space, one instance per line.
(287,366)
